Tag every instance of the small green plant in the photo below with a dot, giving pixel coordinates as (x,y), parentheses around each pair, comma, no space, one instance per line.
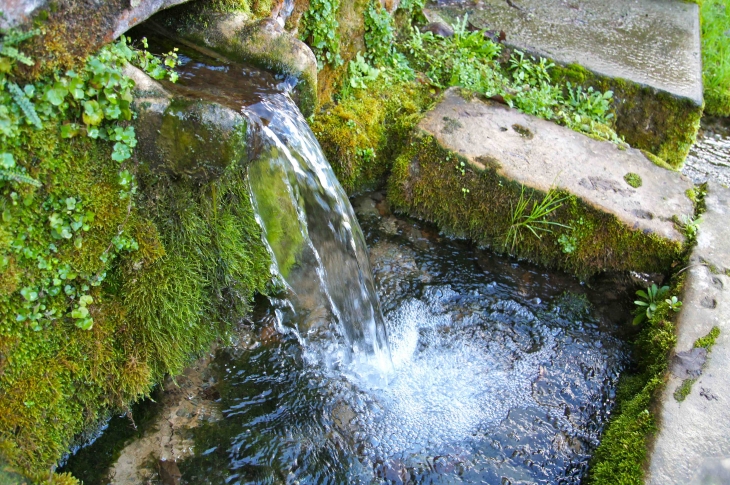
(690,226)
(367,155)
(649,301)
(716,56)
(379,33)
(633,180)
(319,29)
(361,73)
(535,221)
(568,243)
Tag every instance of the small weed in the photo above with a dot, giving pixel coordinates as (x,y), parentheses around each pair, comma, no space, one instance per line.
(568,244)
(319,29)
(536,220)
(690,226)
(633,179)
(649,301)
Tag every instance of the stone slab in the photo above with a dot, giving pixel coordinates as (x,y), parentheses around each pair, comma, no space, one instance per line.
(713,243)
(655,43)
(693,444)
(540,154)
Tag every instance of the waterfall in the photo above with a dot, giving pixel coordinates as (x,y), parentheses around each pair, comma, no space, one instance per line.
(315,240)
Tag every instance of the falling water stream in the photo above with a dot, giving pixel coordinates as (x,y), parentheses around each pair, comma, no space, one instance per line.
(478,370)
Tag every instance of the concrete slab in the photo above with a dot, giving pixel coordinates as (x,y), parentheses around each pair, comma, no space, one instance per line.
(540,154)
(655,43)
(693,444)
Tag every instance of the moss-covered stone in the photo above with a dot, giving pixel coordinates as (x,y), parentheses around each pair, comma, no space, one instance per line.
(198,263)
(362,134)
(263,43)
(622,453)
(437,185)
(651,120)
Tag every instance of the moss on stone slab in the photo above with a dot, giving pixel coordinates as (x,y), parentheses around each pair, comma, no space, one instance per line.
(622,453)
(646,118)
(437,185)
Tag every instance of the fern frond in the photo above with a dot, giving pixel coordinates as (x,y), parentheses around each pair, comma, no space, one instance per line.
(14,53)
(15,176)
(25,104)
(14,37)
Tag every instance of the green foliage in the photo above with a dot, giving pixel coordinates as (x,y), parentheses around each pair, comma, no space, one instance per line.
(648,302)
(361,74)
(633,179)
(536,221)
(621,455)
(472,61)
(568,243)
(319,29)
(379,33)
(708,340)
(715,16)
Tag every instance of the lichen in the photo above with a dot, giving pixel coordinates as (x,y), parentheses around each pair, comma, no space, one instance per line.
(437,185)
(651,120)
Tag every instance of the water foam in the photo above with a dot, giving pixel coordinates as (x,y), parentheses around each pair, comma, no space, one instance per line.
(449,384)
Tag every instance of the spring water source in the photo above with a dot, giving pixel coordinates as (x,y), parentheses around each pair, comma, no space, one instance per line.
(481,371)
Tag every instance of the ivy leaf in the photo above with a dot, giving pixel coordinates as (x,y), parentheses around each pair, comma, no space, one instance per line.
(93,114)
(80,312)
(121,152)
(56,94)
(85,324)
(86,300)
(76,88)
(7,161)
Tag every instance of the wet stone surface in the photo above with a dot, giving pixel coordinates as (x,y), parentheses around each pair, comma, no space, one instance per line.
(709,158)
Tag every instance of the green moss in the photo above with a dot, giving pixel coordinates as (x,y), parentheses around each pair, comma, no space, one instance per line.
(431,183)
(708,340)
(375,121)
(684,390)
(715,16)
(199,263)
(657,122)
(633,180)
(278,213)
(621,456)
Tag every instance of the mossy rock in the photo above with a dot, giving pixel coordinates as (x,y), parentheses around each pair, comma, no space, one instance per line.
(263,43)
(652,120)
(437,185)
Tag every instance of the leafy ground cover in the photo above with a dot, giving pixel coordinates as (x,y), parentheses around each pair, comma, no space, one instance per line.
(715,16)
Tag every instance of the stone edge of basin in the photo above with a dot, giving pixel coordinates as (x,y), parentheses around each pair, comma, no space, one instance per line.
(693,442)
(543,159)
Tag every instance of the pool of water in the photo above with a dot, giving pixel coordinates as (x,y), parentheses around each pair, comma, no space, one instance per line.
(503,374)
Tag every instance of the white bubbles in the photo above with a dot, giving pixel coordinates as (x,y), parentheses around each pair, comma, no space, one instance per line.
(449,384)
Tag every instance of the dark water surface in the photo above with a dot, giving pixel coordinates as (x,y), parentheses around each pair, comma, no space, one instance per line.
(503,374)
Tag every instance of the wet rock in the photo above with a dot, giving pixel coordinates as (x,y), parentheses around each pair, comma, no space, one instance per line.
(439,28)
(688,364)
(169,472)
(264,43)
